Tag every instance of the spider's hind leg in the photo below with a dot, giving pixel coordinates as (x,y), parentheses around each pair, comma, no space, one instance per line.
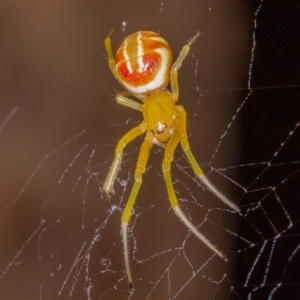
(110,56)
(122,98)
(176,66)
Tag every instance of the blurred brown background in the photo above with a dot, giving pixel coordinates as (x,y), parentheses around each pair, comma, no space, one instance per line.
(53,68)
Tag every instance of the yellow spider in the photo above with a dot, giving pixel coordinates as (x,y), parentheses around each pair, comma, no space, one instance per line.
(143,65)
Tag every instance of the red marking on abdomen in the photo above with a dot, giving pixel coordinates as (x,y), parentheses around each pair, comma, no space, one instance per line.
(141,75)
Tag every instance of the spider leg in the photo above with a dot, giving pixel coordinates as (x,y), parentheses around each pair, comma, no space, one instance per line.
(166,167)
(198,171)
(128,137)
(124,100)
(176,66)
(140,169)
(110,56)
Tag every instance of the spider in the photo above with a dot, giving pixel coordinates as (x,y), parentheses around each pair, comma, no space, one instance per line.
(143,65)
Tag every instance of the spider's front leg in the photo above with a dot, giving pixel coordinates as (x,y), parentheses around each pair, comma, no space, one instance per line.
(198,171)
(128,137)
(166,168)
(140,169)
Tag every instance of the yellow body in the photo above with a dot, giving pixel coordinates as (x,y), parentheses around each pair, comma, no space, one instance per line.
(165,125)
(159,114)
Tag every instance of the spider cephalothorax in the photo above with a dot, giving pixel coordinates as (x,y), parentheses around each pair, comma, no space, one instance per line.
(159,114)
(143,65)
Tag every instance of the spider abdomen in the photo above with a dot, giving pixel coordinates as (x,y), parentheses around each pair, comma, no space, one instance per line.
(143,62)
(143,66)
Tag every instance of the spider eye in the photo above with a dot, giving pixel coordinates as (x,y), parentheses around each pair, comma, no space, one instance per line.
(161,128)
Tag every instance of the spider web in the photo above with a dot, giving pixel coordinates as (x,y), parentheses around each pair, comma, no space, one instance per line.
(59,126)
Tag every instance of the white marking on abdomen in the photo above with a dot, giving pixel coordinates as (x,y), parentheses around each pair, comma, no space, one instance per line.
(158,80)
(126,56)
(140,53)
